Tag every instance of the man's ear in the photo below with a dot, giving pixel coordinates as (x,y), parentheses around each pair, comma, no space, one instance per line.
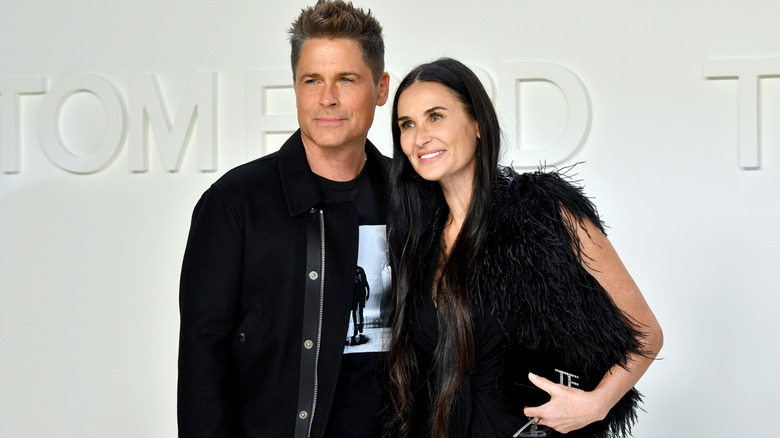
(384,89)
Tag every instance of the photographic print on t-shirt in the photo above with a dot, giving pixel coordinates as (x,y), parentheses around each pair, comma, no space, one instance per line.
(370,294)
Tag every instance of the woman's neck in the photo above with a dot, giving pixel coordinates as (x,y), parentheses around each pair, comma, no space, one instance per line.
(458,203)
(457,193)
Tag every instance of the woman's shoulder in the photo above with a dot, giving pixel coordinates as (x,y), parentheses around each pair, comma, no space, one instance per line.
(544,180)
(541,184)
(541,192)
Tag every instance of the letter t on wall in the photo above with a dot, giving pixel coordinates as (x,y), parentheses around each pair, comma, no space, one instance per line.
(10,145)
(748,72)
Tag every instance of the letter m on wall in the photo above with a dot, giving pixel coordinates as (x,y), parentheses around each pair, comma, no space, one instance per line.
(148,113)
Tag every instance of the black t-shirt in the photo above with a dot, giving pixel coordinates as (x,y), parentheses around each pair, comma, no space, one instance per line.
(359,397)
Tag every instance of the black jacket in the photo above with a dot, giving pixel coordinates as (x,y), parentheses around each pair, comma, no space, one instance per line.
(264,298)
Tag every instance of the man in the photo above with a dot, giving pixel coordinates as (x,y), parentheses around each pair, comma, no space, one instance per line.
(360,293)
(267,277)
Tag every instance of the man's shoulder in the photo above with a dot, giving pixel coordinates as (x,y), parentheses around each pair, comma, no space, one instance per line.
(260,171)
(254,182)
(373,153)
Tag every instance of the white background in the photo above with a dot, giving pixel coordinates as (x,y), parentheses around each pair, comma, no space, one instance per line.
(89,264)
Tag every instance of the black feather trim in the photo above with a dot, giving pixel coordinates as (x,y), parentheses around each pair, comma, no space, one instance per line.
(530,275)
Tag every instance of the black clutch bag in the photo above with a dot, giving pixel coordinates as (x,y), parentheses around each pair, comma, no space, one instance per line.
(514,386)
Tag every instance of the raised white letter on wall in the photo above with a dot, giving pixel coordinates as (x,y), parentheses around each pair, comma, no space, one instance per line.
(10,144)
(49,127)
(579,114)
(261,121)
(147,108)
(748,72)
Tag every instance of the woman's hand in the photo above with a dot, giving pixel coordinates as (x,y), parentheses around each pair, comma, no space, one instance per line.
(569,408)
(572,408)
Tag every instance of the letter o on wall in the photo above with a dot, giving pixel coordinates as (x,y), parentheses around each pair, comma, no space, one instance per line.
(49,133)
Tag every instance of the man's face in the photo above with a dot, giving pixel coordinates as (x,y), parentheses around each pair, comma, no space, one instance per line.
(335,93)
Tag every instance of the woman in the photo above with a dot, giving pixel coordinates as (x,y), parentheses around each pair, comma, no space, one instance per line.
(496,274)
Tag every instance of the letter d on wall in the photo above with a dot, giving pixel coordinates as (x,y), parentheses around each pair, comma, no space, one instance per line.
(576,130)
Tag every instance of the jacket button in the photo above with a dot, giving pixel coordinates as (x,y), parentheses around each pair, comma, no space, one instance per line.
(313,210)
(307,344)
(313,275)
(302,415)
(241,337)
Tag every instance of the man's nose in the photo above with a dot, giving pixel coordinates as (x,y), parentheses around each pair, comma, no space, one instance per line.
(329,96)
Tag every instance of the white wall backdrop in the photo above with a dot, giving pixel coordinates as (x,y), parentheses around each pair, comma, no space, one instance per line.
(89,260)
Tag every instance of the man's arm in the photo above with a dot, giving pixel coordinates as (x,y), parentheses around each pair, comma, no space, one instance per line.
(209,304)
(365,283)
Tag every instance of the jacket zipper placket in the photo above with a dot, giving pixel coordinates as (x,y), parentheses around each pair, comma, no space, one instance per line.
(319,322)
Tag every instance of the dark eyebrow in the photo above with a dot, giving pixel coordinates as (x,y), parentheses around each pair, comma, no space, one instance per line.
(319,75)
(436,108)
(428,111)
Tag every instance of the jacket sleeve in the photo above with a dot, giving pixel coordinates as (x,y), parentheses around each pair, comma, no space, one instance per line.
(209,297)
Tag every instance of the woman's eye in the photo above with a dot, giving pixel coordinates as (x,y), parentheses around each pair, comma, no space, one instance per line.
(407,124)
(436,116)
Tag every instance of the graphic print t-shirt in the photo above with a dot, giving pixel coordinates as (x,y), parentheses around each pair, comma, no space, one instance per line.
(358,397)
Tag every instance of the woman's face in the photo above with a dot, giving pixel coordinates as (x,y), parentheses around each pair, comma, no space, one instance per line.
(437,134)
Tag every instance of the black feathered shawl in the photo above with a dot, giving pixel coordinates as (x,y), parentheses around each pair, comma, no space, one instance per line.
(530,275)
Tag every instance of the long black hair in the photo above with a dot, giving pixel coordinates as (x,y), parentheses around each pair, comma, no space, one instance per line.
(416,207)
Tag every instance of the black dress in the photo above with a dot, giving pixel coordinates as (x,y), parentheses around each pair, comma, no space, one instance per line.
(479,410)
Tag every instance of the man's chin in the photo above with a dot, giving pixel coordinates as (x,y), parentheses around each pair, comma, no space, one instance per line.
(327,140)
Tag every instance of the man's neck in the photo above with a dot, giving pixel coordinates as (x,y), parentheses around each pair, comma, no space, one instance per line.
(336,163)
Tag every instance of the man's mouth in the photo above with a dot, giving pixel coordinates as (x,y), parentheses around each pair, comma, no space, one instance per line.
(329,120)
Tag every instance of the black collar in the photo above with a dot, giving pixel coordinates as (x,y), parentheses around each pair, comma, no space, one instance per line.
(299,183)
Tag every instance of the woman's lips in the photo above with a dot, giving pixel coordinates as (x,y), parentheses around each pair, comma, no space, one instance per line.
(429,155)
